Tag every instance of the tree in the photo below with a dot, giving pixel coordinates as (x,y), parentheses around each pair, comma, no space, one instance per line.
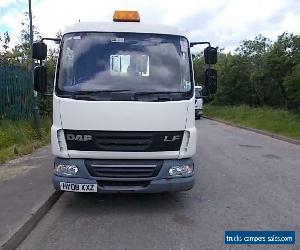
(6,41)
(199,69)
(233,80)
(259,73)
(5,53)
(291,81)
(25,34)
(21,52)
(292,88)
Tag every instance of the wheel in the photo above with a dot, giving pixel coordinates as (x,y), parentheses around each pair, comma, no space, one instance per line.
(198,117)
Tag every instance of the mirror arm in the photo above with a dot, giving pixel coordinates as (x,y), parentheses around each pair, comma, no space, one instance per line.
(57,40)
(192,44)
(51,39)
(196,43)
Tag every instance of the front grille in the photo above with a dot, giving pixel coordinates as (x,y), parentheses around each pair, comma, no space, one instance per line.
(123,168)
(123,141)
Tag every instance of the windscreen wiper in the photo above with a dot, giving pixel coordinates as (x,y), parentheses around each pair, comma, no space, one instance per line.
(159,92)
(145,93)
(85,92)
(91,94)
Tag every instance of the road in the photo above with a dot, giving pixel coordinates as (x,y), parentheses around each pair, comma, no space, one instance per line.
(244,181)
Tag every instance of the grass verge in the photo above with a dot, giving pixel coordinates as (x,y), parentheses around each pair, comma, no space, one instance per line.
(19,138)
(276,121)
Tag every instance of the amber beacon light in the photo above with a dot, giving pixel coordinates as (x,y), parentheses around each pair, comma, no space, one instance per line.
(126,16)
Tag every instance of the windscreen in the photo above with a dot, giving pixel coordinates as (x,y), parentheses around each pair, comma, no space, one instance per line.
(124,61)
(198,93)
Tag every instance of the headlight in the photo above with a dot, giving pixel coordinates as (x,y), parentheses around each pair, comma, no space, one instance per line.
(65,169)
(184,171)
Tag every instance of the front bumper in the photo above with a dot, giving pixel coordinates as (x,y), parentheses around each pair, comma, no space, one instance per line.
(160,183)
(198,112)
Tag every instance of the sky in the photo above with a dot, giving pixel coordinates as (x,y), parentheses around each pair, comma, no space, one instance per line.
(225,23)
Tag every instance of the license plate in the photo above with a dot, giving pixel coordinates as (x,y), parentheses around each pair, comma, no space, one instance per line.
(74,187)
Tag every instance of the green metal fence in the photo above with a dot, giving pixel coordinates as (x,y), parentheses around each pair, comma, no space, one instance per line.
(15,92)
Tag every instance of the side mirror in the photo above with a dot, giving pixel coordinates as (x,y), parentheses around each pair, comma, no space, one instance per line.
(211,81)
(40,79)
(211,55)
(39,51)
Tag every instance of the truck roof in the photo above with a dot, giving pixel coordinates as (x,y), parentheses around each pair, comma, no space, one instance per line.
(130,27)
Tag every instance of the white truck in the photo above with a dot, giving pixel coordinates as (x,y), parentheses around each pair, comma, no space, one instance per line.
(123,106)
(198,102)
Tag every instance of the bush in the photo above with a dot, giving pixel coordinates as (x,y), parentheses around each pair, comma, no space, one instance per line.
(19,137)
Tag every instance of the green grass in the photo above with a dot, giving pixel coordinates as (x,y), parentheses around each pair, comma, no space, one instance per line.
(19,138)
(277,121)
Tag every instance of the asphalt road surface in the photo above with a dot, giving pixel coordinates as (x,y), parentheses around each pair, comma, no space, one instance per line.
(244,181)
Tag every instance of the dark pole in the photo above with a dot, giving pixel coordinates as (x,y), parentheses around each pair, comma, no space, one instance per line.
(36,113)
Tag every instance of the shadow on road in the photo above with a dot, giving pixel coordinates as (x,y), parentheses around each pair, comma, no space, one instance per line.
(125,203)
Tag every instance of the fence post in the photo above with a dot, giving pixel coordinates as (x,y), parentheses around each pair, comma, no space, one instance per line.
(36,113)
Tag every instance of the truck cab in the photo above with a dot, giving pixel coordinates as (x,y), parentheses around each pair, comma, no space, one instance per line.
(123,107)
